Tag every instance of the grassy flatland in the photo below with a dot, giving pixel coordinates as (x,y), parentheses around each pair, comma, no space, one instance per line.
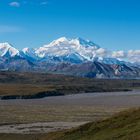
(13,114)
(43,84)
(123,126)
(22,89)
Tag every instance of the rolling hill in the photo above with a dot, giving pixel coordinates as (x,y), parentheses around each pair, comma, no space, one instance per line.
(123,126)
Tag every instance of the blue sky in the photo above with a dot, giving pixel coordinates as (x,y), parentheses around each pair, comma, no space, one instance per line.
(113,24)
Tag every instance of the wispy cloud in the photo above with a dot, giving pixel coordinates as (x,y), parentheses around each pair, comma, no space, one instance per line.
(44,3)
(17,4)
(130,55)
(9,29)
(14,4)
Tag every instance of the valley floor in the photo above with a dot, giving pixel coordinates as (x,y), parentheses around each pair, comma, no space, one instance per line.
(24,118)
(34,119)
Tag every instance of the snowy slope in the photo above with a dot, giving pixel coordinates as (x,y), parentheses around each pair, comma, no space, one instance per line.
(68,56)
(6,50)
(29,54)
(62,50)
(71,48)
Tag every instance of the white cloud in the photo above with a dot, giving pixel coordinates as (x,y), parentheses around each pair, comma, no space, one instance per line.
(118,54)
(133,55)
(101,52)
(14,4)
(29,2)
(130,55)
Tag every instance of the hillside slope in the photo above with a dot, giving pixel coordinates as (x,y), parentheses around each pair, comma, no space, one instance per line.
(124,126)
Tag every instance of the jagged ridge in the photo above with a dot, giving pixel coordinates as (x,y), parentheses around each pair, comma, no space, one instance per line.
(67,56)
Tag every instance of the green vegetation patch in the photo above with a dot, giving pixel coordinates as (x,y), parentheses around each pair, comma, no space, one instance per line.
(124,126)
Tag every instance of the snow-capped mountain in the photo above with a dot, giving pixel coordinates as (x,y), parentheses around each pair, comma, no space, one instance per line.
(70,49)
(29,54)
(68,56)
(61,50)
(6,50)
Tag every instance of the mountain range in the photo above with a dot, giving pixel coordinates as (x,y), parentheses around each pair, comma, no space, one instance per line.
(76,57)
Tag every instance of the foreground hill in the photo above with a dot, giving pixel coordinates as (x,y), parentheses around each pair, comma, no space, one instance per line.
(124,126)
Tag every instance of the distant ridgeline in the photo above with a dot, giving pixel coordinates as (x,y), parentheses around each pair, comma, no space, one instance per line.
(75,57)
